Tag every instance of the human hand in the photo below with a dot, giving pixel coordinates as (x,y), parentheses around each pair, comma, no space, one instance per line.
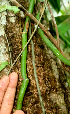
(7,94)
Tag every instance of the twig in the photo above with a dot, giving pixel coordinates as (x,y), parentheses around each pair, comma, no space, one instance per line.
(53,19)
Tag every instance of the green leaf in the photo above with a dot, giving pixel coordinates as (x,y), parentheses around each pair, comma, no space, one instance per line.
(63,25)
(67,35)
(60,19)
(14,8)
(3,65)
(55,4)
(63,28)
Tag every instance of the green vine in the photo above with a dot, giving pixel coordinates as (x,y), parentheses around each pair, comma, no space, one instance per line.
(23,60)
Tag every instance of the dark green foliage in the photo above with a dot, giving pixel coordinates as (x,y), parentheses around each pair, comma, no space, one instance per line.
(55,4)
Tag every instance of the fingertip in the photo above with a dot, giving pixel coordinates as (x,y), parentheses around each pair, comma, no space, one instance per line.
(13,79)
(4,81)
(4,78)
(18,112)
(14,73)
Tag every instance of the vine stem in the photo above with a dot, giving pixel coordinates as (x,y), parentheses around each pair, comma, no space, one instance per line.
(23,60)
(24,41)
(36,79)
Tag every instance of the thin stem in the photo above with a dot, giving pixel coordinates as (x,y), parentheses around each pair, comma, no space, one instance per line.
(37,83)
(36,79)
(53,19)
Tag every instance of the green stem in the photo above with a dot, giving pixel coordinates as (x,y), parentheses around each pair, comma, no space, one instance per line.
(21,94)
(24,41)
(51,46)
(37,83)
(23,61)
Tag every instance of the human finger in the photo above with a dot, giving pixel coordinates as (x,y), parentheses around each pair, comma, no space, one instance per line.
(8,100)
(18,112)
(3,86)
